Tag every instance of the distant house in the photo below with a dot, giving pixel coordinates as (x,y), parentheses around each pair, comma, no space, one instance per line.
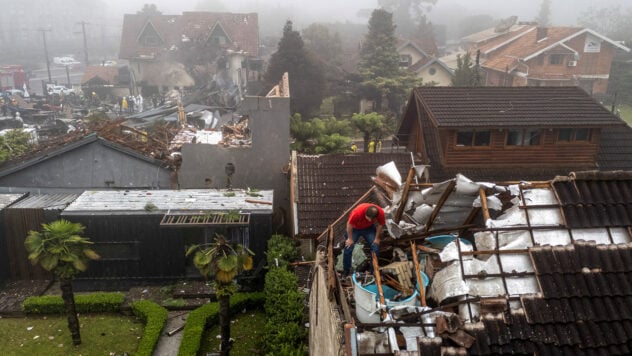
(511,132)
(529,55)
(164,51)
(420,56)
(106,80)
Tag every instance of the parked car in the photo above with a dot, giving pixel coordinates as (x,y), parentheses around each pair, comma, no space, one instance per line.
(11,92)
(60,89)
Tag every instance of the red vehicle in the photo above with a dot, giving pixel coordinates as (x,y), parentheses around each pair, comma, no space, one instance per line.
(12,77)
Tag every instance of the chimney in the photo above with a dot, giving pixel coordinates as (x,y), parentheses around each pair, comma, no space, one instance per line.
(541,33)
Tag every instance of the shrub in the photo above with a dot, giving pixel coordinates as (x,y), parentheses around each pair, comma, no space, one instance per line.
(84,303)
(155,318)
(282,249)
(204,316)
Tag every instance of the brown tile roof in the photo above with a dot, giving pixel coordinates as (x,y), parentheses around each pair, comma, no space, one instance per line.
(425,44)
(327,185)
(243,30)
(615,148)
(503,107)
(107,74)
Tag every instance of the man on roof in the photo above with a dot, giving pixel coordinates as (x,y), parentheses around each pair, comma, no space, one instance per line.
(365,220)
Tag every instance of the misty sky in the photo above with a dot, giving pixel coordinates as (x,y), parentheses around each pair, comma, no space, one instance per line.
(564,12)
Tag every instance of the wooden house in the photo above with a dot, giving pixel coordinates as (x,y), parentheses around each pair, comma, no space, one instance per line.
(507,132)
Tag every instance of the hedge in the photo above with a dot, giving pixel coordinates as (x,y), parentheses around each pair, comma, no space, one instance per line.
(155,318)
(84,303)
(208,314)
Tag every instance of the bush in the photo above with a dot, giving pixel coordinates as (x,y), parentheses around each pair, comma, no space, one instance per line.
(155,318)
(204,316)
(282,249)
(84,303)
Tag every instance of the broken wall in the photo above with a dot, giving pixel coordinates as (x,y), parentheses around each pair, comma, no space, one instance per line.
(325,326)
(262,165)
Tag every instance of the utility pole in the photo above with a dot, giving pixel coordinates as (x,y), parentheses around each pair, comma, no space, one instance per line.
(43,31)
(85,41)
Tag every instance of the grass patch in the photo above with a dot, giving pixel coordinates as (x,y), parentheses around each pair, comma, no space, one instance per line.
(247,331)
(101,334)
(626,113)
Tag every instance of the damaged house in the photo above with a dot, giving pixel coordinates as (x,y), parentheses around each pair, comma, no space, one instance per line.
(538,267)
(179,51)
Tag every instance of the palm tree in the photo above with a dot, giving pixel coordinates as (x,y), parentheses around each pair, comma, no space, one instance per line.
(223,262)
(60,248)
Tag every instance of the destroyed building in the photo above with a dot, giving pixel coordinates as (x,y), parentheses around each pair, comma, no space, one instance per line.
(535,267)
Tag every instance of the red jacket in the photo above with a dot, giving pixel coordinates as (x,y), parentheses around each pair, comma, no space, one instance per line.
(357,218)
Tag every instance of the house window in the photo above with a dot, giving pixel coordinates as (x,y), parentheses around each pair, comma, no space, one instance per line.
(405,60)
(432,71)
(568,135)
(472,138)
(526,137)
(556,59)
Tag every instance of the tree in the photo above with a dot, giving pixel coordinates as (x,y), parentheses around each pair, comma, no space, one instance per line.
(305,75)
(149,10)
(382,78)
(222,262)
(544,16)
(409,15)
(60,248)
(320,135)
(466,74)
(371,125)
(320,42)
(613,22)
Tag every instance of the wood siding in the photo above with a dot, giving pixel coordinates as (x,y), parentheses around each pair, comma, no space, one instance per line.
(548,153)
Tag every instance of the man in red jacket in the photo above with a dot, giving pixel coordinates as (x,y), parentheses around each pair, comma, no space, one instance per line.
(365,220)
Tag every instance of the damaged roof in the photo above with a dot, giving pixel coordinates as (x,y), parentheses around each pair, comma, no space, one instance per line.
(530,268)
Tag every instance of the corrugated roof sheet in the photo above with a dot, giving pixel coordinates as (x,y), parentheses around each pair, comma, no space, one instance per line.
(45,201)
(504,107)
(8,199)
(327,185)
(162,201)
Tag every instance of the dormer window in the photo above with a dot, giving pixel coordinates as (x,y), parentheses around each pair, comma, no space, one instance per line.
(149,37)
(405,60)
(218,36)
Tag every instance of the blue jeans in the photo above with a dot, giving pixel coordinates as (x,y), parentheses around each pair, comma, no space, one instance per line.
(369,236)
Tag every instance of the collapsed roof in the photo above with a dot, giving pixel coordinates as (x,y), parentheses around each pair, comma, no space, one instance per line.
(531,267)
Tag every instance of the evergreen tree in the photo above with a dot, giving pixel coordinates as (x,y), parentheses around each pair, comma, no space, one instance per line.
(544,15)
(305,75)
(466,74)
(320,135)
(409,15)
(382,78)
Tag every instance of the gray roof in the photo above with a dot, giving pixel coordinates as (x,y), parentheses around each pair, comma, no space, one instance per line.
(8,199)
(164,201)
(45,201)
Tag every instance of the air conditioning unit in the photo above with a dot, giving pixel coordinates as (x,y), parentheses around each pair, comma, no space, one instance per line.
(571,63)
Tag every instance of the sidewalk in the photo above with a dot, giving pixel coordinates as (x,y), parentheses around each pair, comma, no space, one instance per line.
(169,345)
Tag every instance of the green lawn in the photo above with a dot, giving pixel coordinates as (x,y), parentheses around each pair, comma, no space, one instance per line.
(626,113)
(247,331)
(101,334)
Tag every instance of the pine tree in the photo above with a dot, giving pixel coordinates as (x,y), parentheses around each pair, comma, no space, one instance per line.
(466,74)
(382,78)
(305,75)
